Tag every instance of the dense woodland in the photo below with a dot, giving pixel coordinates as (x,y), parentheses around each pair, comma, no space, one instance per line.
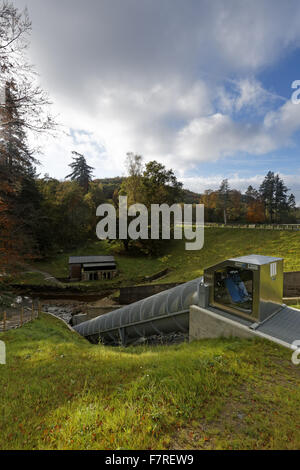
(42,215)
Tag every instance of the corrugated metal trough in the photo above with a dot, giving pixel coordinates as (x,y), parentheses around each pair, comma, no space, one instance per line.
(247,290)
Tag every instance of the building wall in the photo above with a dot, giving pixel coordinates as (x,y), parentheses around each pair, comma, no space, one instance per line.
(100,274)
(75,271)
(291,284)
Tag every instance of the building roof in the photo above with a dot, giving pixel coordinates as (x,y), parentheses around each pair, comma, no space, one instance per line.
(256,259)
(91,259)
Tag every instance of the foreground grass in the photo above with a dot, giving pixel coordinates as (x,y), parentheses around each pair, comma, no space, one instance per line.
(60,392)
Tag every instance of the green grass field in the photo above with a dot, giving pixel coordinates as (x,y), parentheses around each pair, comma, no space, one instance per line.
(220,243)
(60,392)
(223,243)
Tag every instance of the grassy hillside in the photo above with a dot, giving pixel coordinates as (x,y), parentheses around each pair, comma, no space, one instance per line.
(220,243)
(60,392)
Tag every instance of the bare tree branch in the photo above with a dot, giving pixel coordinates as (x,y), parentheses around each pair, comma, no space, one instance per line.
(31,101)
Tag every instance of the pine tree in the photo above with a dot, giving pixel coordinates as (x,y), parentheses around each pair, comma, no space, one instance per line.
(23,109)
(16,170)
(82,172)
(251,194)
(273,193)
(280,198)
(291,202)
(16,159)
(267,193)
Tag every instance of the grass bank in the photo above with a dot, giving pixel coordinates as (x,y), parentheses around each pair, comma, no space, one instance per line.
(60,392)
(220,243)
(223,243)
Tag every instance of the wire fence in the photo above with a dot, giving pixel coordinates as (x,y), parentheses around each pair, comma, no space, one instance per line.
(16,317)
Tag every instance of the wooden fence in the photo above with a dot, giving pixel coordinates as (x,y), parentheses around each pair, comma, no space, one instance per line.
(19,317)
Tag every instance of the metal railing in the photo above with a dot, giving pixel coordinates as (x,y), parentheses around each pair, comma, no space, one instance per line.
(292,227)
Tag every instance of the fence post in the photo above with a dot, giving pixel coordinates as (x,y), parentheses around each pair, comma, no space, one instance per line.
(4,321)
(39,309)
(32,311)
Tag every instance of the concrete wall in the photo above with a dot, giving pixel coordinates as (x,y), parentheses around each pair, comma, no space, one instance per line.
(158,275)
(79,318)
(128,295)
(205,324)
(94,312)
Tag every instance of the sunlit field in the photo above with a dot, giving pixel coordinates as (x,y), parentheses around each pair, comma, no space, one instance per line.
(60,392)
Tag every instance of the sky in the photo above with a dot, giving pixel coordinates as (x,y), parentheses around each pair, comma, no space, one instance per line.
(202,86)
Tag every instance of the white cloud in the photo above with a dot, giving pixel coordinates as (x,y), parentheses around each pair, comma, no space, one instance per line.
(215,136)
(173,124)
(245,94)
(152,78)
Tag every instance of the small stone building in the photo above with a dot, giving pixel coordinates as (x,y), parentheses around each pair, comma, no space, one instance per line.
(92,268)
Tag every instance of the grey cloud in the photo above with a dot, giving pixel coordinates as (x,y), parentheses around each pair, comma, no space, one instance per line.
(128,71)
(84,44)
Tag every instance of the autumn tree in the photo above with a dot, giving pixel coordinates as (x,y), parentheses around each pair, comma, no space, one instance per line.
(153,184)
(235,208)
(255,212)
(92,199)
(210,200)
(223,199)
(132,185)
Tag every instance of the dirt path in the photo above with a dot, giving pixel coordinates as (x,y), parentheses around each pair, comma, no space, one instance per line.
(47,276)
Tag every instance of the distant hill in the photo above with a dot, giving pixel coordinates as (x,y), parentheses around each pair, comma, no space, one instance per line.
(111,184)
(190,197)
